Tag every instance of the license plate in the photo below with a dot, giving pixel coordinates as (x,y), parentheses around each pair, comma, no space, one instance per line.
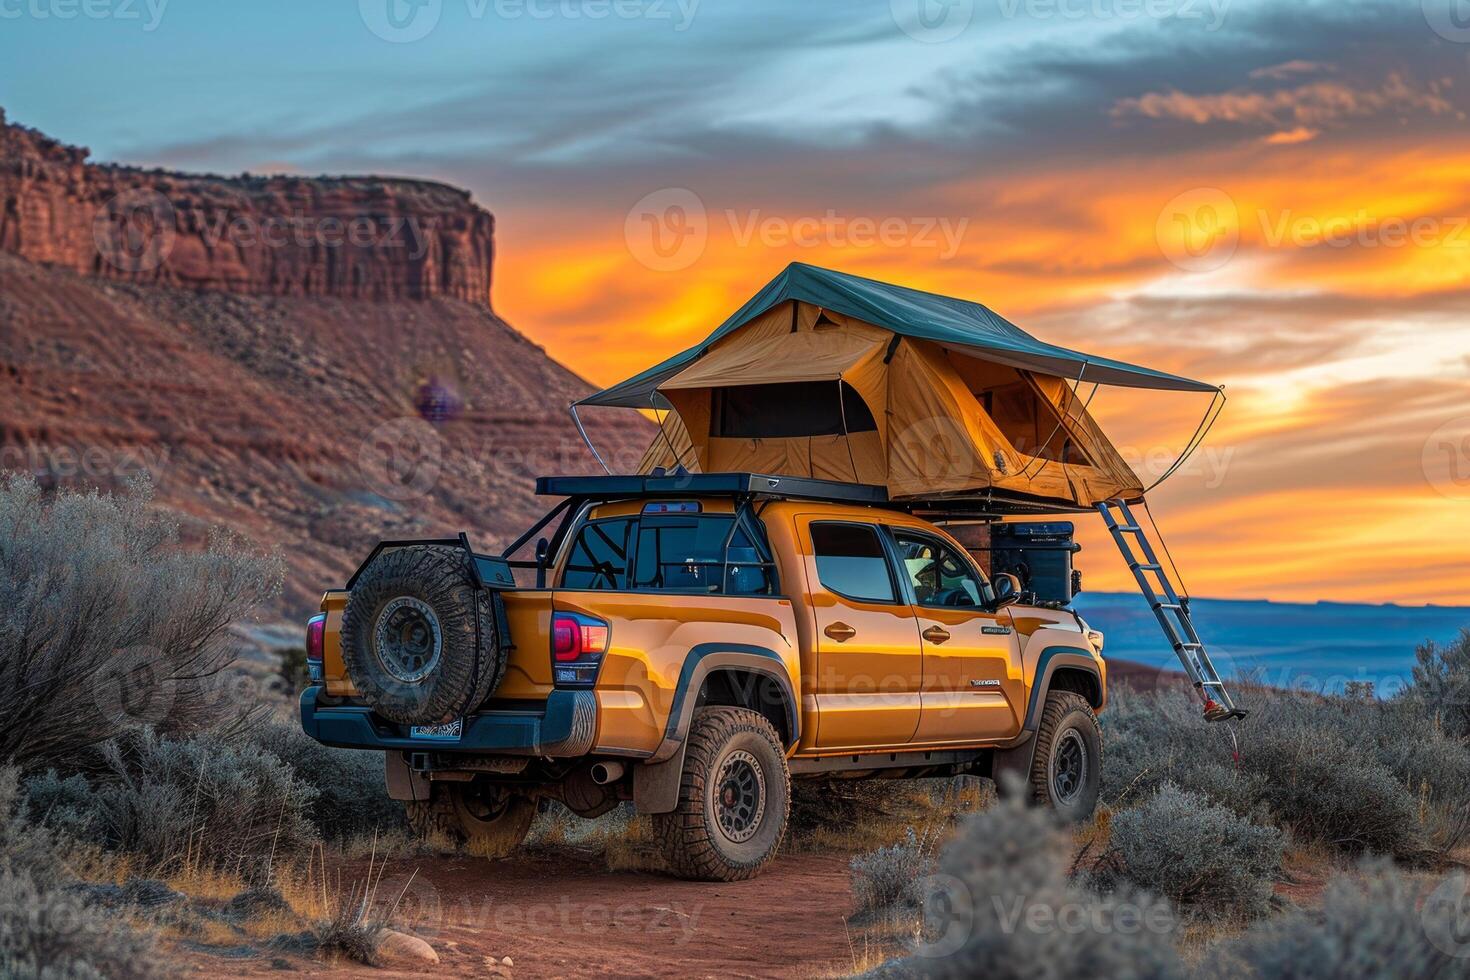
(440,733)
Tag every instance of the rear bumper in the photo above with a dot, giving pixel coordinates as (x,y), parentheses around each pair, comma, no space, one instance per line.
(566,728)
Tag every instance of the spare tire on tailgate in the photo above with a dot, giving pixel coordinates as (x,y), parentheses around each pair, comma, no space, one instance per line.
(419,638)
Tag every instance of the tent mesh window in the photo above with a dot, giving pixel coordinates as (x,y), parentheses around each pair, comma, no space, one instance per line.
(788,410)
(1024,420)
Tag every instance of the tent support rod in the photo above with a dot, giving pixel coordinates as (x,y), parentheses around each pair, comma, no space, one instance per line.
(596,455)
(1212,414)
(846,437)
(678,456)
(1026,472)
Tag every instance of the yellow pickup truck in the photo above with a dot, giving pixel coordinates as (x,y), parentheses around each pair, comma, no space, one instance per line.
(692,643)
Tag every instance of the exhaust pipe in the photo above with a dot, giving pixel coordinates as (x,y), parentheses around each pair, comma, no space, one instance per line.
(607,772)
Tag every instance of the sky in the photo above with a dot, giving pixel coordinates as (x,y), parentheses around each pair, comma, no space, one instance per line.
(1273,197)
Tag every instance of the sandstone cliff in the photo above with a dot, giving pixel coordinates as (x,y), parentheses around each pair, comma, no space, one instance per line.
(349,237)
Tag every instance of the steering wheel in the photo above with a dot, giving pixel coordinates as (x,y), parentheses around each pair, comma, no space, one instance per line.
(953,597)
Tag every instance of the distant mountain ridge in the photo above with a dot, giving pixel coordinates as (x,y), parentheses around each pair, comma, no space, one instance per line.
(1320,645)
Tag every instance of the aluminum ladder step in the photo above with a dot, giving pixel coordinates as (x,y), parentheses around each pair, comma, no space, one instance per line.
(1179,628)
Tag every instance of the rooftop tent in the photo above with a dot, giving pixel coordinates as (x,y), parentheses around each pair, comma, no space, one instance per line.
(833,376)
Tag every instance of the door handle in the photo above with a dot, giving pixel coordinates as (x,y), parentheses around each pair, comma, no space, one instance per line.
(840,632)
(935,634)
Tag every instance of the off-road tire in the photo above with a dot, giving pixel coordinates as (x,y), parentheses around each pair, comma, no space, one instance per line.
(1067,725)
(448,817)
(470,659)
(691,837)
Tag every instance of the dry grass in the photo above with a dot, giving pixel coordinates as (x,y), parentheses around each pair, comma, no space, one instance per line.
(880,813)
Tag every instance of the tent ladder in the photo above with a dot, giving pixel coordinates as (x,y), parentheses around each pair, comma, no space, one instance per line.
(1170,608)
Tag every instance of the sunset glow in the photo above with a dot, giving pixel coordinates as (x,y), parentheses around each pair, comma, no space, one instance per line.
(1276,200)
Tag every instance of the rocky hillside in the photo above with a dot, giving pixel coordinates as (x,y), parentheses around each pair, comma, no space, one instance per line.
(312,395)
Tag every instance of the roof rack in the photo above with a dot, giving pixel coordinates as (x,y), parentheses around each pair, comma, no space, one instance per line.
(712,484)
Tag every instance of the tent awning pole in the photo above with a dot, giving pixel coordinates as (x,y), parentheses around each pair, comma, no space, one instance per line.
(597,455)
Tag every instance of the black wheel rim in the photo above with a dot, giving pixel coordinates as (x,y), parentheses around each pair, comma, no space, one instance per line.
(1068,767)
(484,803)
(740,796)
(409,639)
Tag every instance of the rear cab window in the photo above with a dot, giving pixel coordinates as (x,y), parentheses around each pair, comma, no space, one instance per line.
(851,562)
(687,552)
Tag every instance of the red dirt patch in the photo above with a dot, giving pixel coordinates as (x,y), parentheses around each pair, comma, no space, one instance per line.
(561,915)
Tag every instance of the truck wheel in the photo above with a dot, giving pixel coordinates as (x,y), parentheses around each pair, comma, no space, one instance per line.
(1066,769)
(734,798)
(418,639)
(483,819)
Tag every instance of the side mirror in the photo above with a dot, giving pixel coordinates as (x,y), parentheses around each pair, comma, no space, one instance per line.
(1007,589)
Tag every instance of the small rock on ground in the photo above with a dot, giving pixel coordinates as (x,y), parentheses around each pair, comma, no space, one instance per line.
(401,947)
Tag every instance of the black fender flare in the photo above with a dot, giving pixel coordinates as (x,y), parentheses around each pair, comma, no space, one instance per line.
(1018,756)
(656,779)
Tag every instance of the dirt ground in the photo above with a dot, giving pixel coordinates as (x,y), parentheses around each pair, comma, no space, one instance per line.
(566,916)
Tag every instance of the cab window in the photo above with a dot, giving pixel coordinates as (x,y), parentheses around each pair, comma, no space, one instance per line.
(940,575)
(699,554)
(851,562)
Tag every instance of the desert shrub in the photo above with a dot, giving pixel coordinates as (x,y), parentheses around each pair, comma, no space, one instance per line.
(52,934)
(1442,683)
(27,851)
(1367,928)
(204,800)
(890,879)
(1356,775)
(47,929)
(1202,857)
(1005,905)
(65,804)
(109,621)
(351,796)
(293,669)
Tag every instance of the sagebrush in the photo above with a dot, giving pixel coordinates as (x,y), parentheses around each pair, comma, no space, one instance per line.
(1368,927)
(109,621)
(1006,906)
(1354,775)
(1204,858)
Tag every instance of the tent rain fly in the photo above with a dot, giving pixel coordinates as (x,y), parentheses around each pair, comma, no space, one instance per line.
(837,377)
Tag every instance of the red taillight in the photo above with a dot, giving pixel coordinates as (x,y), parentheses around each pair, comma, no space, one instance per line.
(316,635)
(574,637)
(577,645)
(316,643)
